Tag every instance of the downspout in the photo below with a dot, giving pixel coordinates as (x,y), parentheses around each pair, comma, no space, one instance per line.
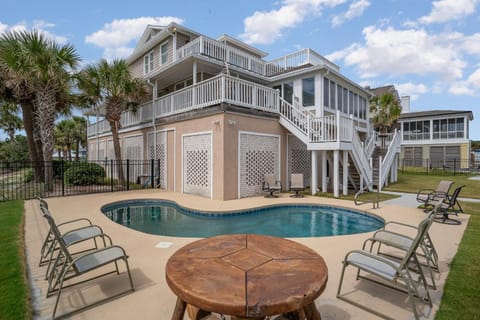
(154,94)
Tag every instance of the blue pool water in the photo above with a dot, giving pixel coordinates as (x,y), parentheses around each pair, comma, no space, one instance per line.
(166,218)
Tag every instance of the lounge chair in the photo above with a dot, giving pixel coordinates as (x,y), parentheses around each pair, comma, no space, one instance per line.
(73,267)
(395,275)
(447,207)
(403,242)
(271,185)
(426,196)
(70,238)
(296,184)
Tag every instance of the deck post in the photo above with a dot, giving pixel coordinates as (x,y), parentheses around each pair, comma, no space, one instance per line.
(345,172)
(314,180)
(336,184)
(324,171)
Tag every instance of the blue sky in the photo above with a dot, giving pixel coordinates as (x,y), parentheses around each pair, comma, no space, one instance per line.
(429,50)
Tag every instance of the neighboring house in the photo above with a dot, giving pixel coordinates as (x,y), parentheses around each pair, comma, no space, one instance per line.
(220,116)
(436,138)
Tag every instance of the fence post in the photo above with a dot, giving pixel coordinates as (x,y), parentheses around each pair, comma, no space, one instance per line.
(62,170)
(454,166)
(128,174)
(152,174)
(111,175)
(428,165)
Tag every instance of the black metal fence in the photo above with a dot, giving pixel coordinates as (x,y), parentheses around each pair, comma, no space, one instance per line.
(26,180)
(443,167)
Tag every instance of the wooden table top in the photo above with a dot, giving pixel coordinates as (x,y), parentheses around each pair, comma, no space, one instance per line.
(246,275)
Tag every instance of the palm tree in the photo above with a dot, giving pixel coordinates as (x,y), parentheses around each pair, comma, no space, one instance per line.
(386,110)
(14,88)
(9,121)
(46,70)
(65,136)
(79,134)
(112,86)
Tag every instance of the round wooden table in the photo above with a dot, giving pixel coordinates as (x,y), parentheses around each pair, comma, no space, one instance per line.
(247,276)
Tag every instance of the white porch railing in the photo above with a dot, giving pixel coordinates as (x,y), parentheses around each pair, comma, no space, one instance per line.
(387,161)
(223,52)
(326,129)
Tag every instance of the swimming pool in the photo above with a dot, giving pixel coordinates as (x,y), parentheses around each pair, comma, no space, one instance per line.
(162,217)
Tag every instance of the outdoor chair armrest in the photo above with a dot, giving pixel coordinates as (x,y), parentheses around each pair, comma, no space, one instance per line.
(74,221)
(265,185)
(278,183)
(400,224)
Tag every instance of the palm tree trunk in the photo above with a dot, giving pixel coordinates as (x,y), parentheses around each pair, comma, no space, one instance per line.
(78,150)
(118,152)
(45,117)
(28,125)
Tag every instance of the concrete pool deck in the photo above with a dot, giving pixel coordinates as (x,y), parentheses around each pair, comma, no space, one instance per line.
(148,255)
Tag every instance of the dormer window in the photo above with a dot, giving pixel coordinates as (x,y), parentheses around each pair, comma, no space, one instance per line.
(148,62)
(164,53)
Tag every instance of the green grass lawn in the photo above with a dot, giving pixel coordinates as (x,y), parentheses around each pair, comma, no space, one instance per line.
(14,296)
(462,290)
(410,182)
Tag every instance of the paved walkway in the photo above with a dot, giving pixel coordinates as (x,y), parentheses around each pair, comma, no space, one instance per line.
(409,199)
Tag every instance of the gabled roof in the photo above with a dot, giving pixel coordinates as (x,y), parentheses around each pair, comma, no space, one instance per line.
(431,113)
(241,44)
(157,34)
(385,89)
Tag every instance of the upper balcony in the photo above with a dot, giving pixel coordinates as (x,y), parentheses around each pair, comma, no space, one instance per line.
(242,93)
(220,51)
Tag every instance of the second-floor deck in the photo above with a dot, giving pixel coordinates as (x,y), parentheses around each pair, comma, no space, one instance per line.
(238,92)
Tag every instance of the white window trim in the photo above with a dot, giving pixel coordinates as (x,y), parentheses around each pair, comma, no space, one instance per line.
(161,54)
(150,56)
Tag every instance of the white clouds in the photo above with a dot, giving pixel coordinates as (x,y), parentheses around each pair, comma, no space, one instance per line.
(447,10)
(39,25)
(117,36)
(398,52)
(355,9)
(467,87)
(411,89)
(264,27)
(471,44)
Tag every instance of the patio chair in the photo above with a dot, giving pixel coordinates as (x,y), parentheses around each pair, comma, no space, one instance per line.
(426,196)
(403,242)
(271,185)
(394,274)
(447,207)
(69,238)
(296,184)
(74,267)
(72,225)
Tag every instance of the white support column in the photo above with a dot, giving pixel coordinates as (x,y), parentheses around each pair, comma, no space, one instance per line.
(194,72)
(324,171)
(336,184)
(314,179)
(194,81)
(345,172)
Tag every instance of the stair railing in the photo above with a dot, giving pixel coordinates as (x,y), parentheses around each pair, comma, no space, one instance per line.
(294,115)
(371,142)
(361,160)
(387,161)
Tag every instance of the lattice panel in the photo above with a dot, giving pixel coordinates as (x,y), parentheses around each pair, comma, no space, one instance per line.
(161,155)
(299,159)
(259,155)
(134,151)
(197,161)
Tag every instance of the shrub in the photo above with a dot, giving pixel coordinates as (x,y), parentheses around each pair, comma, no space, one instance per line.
(84,173)
(57,167)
